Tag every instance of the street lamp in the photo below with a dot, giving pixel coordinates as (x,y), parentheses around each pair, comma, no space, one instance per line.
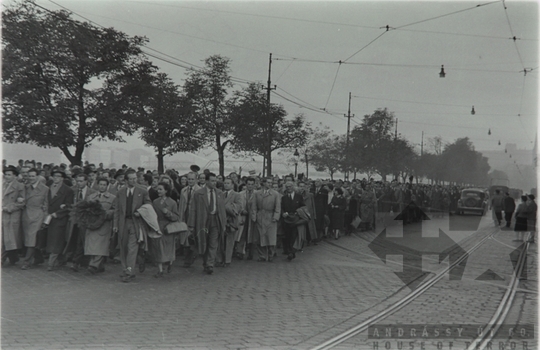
(296,155)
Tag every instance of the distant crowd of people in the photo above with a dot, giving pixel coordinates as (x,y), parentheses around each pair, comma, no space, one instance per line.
(86,215)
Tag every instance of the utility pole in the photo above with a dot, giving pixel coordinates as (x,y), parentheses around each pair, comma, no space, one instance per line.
(348,116)
(395,133)
(266,159)
(422,145)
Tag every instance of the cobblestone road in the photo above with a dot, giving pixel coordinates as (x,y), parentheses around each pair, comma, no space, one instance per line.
(251,305)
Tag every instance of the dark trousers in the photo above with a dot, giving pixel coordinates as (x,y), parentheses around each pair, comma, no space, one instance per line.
(508,217)
(77,239)
(290,233)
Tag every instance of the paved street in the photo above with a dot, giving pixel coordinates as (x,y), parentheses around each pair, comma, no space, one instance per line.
(251,305)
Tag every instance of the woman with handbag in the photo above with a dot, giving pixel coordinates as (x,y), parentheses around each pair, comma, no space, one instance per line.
(163,248)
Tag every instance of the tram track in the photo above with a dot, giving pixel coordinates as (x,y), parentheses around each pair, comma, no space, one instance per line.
(422,288)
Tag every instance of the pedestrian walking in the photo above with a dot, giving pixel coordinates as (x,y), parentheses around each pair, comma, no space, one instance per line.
(521,219)
(163,249)
(187,241)
(97,239)
(207,220)
(337,213)
(33,215)
(509,207)
(497,204)
(13,198)
(60,202)
(233,207)
(130,198)
(265,212)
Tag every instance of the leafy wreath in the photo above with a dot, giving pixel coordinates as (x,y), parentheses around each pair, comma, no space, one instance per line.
(90,214)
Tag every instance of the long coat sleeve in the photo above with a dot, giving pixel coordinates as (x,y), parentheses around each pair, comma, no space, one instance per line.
(97,241)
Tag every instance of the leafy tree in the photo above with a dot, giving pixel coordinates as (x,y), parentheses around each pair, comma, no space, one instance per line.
(206,90)
(462,164)
(67,83)
(262,129)
(327,154)
(169,124)
(375,149)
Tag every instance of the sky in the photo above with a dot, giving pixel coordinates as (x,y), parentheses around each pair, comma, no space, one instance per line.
(396,69)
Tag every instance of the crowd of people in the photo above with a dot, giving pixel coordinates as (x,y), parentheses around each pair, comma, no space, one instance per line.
(524,215)
(87,215)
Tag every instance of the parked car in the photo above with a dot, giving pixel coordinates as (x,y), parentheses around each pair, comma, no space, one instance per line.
(473,200)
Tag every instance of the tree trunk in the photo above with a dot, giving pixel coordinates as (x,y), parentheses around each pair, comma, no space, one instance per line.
(269,163)
(160,160)
(220,150)
(332,175)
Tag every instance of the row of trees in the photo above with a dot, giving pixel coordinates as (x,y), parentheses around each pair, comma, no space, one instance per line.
(375,148)
(67,84)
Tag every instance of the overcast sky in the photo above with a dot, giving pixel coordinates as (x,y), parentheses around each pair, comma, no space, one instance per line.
(399,70)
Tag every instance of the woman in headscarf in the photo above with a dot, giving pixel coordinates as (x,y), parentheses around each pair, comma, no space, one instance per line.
(337,212)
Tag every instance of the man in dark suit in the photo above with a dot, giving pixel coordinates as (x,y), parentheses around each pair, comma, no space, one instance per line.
(207,220)
(75,233)
(320,195)
(290,202)
(509,207)
(129,199)
(60,201)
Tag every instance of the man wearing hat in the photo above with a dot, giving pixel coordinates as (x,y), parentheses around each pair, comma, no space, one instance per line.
(34,212)
(60,199)
(92,176)
(119,179)
(13,194)
(186,200)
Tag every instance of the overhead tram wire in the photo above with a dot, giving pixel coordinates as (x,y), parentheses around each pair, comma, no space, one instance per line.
(299,99)
(446,15)
(326,22)
(520,107)
(512,33)
(189,65)
(332,88)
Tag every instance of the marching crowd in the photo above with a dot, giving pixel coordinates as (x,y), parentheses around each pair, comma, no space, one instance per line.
(88,215)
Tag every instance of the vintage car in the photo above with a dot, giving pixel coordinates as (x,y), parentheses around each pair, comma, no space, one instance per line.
(473,200)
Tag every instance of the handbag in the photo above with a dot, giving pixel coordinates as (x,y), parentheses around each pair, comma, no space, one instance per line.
(175,227)
(356,222)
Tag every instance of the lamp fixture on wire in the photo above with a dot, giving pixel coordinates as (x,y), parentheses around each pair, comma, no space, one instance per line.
(442,74)
(505,150)
(473,112)
(499,142)
(489,131)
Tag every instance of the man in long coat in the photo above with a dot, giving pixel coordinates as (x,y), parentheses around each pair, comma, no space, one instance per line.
(233,207)
(265,211)
(97,240)
(60,201)
(33,215)
(129,199)
(13,195)
(290,202)
(320,195)
(207,220)
(247,236)
(186,200)
(75,233)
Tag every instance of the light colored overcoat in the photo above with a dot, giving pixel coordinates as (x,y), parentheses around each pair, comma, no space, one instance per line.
(35,211)
(11,215)
(266,211)
(97,241)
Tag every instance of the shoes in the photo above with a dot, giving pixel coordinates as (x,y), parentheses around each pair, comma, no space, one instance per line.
(128,278)
(270,259)
(125,273)
(92,270)
(209,270)
(25,267)
(101,269)
(50,268)
(290,256)
(142,267)
(169,267)
(249,257)
(261,260)
(219,264)
(74,268)
(240,256)
(159,274)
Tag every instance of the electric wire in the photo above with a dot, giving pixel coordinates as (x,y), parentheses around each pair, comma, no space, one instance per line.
(189,65)
(445,15)
(520,106)
(371,42)
(512,33)
(332,88)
